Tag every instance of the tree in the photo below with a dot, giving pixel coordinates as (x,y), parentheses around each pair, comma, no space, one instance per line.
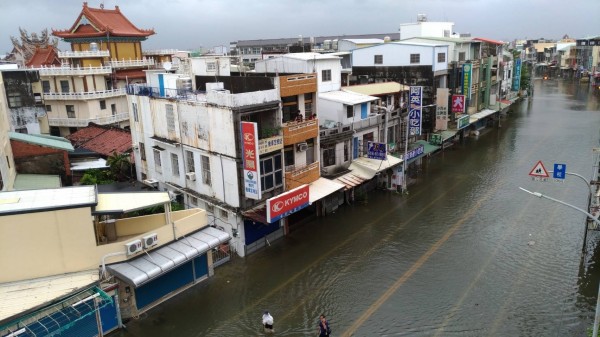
(120,166)
(96,177)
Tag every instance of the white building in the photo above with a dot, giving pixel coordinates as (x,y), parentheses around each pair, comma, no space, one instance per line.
(425,28)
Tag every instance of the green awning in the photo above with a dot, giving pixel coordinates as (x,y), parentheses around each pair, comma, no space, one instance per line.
(428,148)
(56,318)
(448,134)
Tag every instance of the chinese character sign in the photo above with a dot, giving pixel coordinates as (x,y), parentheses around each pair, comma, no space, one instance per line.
(415,108)
(517,75)
(250,156)
(376,151)
(458,103)
(441,109)
(466,80)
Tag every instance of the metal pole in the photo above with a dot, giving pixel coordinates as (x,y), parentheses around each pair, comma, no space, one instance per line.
(595,219)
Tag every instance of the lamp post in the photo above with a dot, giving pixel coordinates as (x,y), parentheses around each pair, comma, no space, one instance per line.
(595,219)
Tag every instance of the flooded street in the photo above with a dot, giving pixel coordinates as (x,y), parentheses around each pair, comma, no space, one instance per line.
(465,253)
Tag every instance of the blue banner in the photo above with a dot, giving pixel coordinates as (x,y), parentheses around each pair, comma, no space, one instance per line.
(376,151)
(414,112)
(414,152)
(517,76)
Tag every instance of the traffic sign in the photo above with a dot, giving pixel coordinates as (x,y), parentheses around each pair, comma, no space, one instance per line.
(539,170)
(560,171)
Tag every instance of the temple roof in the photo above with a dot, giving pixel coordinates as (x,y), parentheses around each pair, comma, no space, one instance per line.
(100,22)
(44,56)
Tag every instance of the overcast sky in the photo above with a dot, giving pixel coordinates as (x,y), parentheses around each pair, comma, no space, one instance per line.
(191,24)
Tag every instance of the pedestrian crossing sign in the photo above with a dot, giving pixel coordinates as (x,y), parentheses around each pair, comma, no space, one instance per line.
(539,170)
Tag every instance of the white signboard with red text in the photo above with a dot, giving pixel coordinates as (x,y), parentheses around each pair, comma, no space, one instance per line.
(287,203)
(251,161)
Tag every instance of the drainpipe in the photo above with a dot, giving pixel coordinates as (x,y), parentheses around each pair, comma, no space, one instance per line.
(104,258)
(118,309)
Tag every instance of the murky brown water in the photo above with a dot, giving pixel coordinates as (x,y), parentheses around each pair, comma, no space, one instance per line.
(466,253)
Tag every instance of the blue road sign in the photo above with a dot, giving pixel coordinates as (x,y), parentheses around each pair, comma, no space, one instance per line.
(560,171)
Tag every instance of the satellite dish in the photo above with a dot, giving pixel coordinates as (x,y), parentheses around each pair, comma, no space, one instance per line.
(167,65)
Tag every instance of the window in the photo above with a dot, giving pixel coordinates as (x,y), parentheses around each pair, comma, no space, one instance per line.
(350,111)
(71,111)
(48,108)
(135,112)
(415,58)
(157,162)
(271,173)
(224,214)
(193,201)
(113,109)
(210,208)
(143,151)
(326,75)
(102,105)
(189,162)
(14,100)
(175,164)
(461,56)
(170,118)
(46,87)
(211,66)
(378,59)
(206,170)
(441,57)
(64,86)
(346,151)
(329,156)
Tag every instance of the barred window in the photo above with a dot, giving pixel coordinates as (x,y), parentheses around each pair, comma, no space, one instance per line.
(206,170)
(441,57)
(378,59)
(326,75)
(415,58)
(175,164)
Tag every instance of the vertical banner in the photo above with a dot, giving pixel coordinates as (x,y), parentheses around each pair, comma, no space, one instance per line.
(251,161)
(441,109)
(466,80)
(517,76)
(415,108)
(458,104)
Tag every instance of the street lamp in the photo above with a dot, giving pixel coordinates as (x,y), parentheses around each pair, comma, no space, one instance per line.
(595,219)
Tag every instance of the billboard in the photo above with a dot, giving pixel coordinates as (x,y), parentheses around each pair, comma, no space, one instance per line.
(458,103)
(516,85)
(415,108)
(376,150)
(287,203)
(466,80)
(441,109)
(251,160)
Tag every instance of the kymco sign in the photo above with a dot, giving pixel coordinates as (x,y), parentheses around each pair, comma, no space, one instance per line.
(287,203)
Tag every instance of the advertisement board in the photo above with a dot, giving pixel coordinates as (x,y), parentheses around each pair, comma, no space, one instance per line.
(251,160)
(376,150)
(287,203)
(415,108)
(466,80)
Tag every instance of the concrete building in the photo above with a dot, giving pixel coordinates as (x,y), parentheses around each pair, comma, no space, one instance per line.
(423,27)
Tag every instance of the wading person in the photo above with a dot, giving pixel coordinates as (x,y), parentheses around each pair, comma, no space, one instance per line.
(267,321)
(324,329)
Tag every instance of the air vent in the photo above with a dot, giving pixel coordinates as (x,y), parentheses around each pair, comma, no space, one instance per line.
(150,240)
(133,247)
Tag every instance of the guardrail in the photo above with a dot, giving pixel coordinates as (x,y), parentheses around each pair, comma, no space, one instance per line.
(84,53)
(56,71)
(131,63)
(76,122)
(84,95)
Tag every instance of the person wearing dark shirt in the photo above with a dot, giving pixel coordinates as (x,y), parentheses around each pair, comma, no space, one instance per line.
(324,329)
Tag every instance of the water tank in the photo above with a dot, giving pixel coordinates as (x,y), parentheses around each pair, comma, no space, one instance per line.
(327,44)
(387,39)
(93,46)
(334,44)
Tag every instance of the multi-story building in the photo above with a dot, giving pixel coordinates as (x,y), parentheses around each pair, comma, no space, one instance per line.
(89,85)
(26,111)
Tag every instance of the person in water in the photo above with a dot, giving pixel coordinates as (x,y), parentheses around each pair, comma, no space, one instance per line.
(324,330)
(267,321)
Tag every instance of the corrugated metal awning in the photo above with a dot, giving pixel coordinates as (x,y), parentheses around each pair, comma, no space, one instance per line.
(350,180)
(323,187)
(481,114)
(118,203)
(159,261)
(367,168)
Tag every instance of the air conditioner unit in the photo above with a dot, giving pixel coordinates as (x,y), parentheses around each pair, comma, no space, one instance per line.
(151,182)
(302,146)
(190,176)
(133,247)
(150,240)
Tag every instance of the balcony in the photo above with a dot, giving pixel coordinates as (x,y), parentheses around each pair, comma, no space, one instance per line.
(80,123)
(132,63)
(337,134)
(69,96)
(160,52)
(70,71)
(295,132)
(270,144)
(372,120)
(83,54)
(296,176)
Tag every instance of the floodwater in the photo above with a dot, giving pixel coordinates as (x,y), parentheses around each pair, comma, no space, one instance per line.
(465,253)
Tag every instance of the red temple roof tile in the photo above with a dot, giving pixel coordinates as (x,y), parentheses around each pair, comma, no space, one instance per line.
(46,56)
(100,22)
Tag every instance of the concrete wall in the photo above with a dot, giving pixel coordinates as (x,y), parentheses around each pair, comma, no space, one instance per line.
(397,55)
(7,164)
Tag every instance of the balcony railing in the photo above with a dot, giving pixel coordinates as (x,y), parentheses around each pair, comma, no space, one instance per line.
(131,63)
(84,95)
(67,71)
(368,122)
(82,54)
(335,134)
(160,52)
(295,132)
(75,122)
(296,176)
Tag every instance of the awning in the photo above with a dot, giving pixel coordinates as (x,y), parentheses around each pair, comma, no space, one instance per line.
(447,134)
(350,180)
(36,181)
(159,261)
(367,168)
(481,114)
(119,203)
(59,317)
(97,163)
(130,74)
(258,214)
(322,187)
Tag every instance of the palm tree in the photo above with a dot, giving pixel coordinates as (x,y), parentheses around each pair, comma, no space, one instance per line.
(120,166)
